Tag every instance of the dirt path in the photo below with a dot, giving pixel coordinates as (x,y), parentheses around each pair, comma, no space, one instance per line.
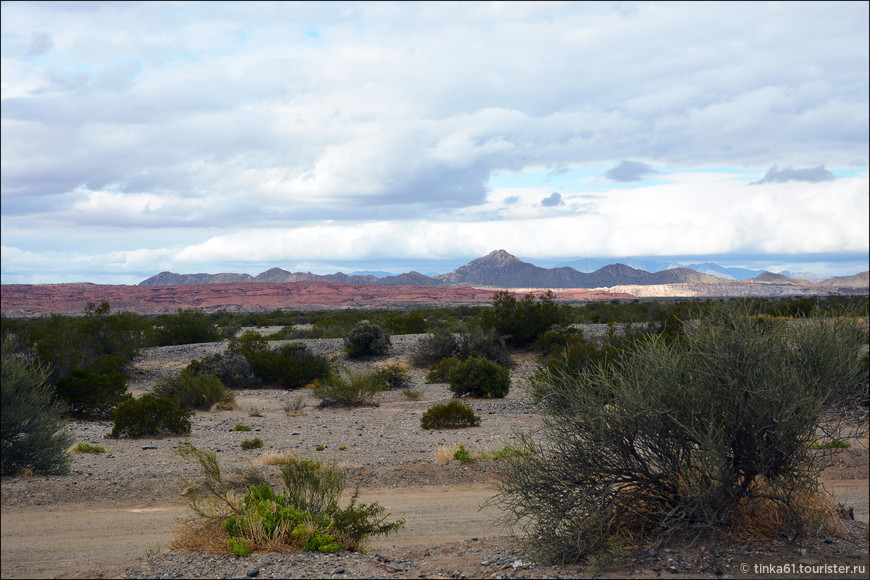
(79,540)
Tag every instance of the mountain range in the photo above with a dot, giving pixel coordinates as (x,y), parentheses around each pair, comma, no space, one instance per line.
(499,269)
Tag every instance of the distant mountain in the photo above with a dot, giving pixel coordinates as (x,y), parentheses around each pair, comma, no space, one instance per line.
(172,279)
(861,280)
(499,269)
(723,272)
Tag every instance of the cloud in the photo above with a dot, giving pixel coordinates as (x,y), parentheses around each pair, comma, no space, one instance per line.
(628,171)
(553,200)
(811,175)
(40,43)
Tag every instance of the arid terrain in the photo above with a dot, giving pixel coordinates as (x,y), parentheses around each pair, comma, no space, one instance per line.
(114,516)
(41,299)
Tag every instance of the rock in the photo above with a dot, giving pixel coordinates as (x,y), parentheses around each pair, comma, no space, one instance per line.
(146,447)
(253,573)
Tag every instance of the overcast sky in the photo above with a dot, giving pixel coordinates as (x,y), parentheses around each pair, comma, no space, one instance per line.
(234,137)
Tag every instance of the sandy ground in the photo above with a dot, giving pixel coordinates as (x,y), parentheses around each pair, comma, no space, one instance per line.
(114,516)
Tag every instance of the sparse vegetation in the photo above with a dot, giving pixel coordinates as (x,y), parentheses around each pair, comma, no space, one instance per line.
(192,390)
(349,389)
(254,443)
(88,448)
(241,427)
(701,434)
(150,415)
(462,455)
(306,515)
(479,377)
(393,376)
(33,424)
(451,415)
(367,339)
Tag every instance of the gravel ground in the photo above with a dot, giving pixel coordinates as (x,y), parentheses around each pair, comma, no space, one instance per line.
(381,446)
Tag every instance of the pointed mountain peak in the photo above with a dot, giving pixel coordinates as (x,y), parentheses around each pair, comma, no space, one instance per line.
(496,258)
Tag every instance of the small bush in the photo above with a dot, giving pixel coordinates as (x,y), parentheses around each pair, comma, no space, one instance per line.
(367,339)
(440,372)
(254,443)
(150,415)
(452,415)
(393,376)
(90,394)
(232,368)
(463,455)
(33,426)
(352,390)
(294,407)
(479,377)
(431,349)
(291,366)
(195,391)
(87,448)
(307,515)
(412,395)
(241,427)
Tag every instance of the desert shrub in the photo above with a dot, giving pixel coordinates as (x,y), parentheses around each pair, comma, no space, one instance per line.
(33,424)
(241,427)
(194,391)
(451,415)
(92,395)
(367,339)
(350,389)
(433,348)
(291,366)
(440,372)
(254,443)
(462,455)
(307,515)
(479,377)
(409,323)
(556,340)
(187,326)
(232,368)
(522,321)
(713,432)
(87,448)
(393,376)
(150,415)
(479,342)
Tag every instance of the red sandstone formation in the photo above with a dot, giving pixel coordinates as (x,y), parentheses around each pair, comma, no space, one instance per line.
(17,300)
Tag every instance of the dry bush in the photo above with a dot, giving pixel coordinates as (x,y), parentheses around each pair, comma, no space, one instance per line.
(444,453)
(277,457)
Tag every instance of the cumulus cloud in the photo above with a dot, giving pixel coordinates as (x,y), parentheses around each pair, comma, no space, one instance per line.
(553,200)
(628,171)
(231,117)
(811,175)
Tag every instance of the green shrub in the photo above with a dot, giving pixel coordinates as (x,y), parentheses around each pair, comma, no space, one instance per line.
(92,395)
(451,415)
(150,415)
(440,373)
(291,366)
(232,368)
(479,377)
(307,515)
(695,435)
(463,455)
(254,443)
(194,391)
(393,376)
(86,448)
(433,348)
(484,343)
(241,427)
(366,339)
(33,427)
(410,323)
(351,389)
(188,326)
(522,321)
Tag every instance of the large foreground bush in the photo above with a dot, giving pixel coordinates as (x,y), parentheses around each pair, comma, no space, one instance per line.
(150,415)
(32,425)
(718,431)
(305,514)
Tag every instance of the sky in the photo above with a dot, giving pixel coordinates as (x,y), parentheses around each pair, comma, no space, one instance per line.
(236,137)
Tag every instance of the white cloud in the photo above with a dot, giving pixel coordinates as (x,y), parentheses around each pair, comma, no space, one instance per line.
(128,117)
